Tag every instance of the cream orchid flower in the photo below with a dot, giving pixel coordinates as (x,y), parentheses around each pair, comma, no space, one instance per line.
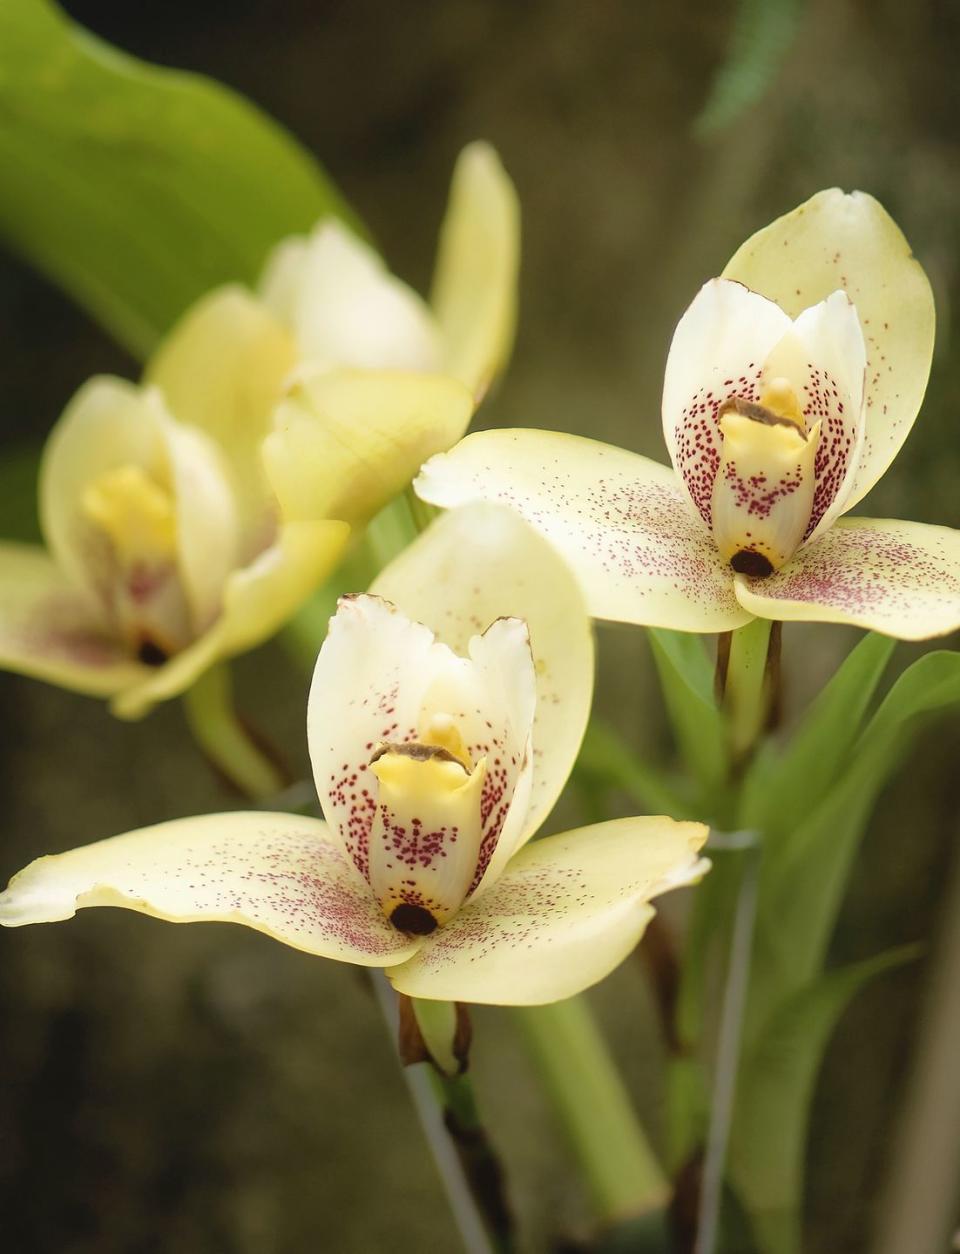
(790,385)
(432,784)
(154,566)
(309,364)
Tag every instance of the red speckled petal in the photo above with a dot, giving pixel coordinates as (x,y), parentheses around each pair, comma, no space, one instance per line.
(382,679)
(718,351)
(850,242)
(566,911)
(280,874)
(898,578)
(623,523)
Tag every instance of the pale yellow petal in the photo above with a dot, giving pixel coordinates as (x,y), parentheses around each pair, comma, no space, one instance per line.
(383,680)
(51,630)
(623,523)
(222,369)
(344,306)
(474,294)
(566,911)
(277,873)
(899,578)
(257,601)
(348,441)
(717,351)
(844,241)
(482,562)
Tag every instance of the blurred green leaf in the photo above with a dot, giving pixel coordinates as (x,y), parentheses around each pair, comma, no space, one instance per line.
(18,493)
(686,677)
(138,188)
(777,1078)
(783,786)
(606,761)
(763,31)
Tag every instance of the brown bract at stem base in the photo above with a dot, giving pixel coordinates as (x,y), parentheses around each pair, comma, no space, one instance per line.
(411,1046)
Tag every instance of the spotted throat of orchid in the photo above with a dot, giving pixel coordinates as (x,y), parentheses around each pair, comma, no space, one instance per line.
(426,773)
(790,385)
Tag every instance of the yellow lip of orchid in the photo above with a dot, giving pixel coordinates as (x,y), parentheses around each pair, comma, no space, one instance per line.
(790,384)
(434,769)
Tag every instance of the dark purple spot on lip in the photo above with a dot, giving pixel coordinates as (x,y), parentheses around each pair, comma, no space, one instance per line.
(414,920)
(749,562)
(151,654)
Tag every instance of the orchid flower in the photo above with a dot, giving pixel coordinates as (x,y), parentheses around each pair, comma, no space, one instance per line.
(432,781)
(187,520)
(307,365)
(791,383)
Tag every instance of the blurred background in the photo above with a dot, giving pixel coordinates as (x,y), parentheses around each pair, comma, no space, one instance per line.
(204,1090)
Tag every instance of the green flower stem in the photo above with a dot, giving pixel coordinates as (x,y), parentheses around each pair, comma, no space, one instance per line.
(747,692)
(213,720)
(584,1085)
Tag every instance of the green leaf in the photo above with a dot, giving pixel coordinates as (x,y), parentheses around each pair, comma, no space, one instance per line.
(606,761)
(777,1078)
(138,188)
(686,677)
(782,787)
(763,31)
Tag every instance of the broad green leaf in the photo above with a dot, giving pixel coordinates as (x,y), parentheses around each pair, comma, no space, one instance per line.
(777,1078)
(138,188)
(18,493)
(782,787)
(686,677)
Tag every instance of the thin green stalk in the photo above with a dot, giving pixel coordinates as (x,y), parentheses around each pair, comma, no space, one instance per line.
(213,720)
(746,691)
(585,1088)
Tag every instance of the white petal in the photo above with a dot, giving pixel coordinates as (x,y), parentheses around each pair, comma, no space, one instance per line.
(277,873)
(623,523)
(346,308)
(482,562)
(718,351)
(566,911)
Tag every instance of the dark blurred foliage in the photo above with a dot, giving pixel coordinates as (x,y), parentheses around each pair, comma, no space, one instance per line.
(203,1090)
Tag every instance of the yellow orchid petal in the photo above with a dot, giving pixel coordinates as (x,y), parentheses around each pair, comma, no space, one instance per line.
(257,600)
(717,351)
(566,911)
(347,441)
(345,307)
(898,578)
(382,684)
(850,242)
(482,562)
(53,631)
(280,874)
(222,369)
(474,294)
(622,522)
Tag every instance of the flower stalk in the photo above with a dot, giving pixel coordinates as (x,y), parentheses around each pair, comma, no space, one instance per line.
(219,733)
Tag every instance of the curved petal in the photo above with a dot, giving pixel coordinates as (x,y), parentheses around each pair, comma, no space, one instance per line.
(277,873)
(474,295)
(482,562)
(898,578)
(53,631)
(345,307)
(717,351)
(383,682)
(109,423)
(347,441)
(566,911)
(844,241)
(257,601)
(623,523)
(222,369)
